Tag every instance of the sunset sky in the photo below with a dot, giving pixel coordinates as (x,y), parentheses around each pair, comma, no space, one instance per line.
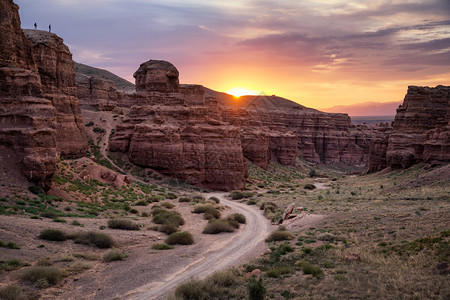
(319,53)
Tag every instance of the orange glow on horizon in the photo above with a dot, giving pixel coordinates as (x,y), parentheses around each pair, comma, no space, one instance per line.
(238,92)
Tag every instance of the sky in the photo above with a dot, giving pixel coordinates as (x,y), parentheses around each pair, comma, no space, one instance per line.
(319,53)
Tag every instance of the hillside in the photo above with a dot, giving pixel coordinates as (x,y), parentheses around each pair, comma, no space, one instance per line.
(121,84)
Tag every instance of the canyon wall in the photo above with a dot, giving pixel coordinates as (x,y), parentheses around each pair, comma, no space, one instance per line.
(36,108)
(170,130)
(420,133)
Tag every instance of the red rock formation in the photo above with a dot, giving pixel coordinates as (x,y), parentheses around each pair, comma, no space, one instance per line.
(39,115)
(175,134)
(56,69)
(97,92)
(27,120)
(421,123)
(378,147)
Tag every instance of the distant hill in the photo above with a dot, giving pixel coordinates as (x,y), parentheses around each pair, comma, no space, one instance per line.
(366,109)
(122,84)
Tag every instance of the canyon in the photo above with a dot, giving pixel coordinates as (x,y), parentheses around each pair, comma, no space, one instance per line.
(190,132)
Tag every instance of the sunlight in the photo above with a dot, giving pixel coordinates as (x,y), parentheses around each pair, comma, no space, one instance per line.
(238,92)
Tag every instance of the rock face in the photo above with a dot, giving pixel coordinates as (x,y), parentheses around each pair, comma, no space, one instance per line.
(56,69)
(293,130)
(30,109)
(420,133)
(97,92)
(175,134)
(157,76)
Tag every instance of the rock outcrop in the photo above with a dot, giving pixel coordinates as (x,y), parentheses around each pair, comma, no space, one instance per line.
(175,134)
(56,69)
(96,92)
(294,130)
(30,108)
(420,133)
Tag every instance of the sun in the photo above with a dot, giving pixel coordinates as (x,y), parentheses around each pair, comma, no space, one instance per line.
(238,92)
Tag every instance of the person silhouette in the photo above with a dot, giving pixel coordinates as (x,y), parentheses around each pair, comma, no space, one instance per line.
(35,26)
(50,28)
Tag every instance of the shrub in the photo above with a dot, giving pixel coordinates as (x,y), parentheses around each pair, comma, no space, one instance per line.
(114,255)
(198,199)
(208,210)
(141,203)
(162,246)
(99,130)
(184,199)
(238,217)
(308,268)
(309,186)
(36,190)
(171,196)
(193,289)
(124,224)
(76,223)
(180,238)
(256,289)
(10,265)
(252,202)
(279,236)
(12,292)
(214,199)
(167,205)
(168,228)
(278,271)
(43,276)
(312,173)
(98,239)
(162,216)
(236,195)
(218,226)
(53,235)
(49,214)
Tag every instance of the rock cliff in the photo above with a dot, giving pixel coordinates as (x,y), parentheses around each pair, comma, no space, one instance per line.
(420,133)
(174,133)
(56,69)
(34,115)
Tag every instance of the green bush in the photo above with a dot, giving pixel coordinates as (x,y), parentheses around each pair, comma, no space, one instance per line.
(312,173)
(114,255)
(36,190)
(171,196)
(141,203)
(279,236)
(98,239)
(256,289)
(53,235)
(43,276)
(208,210)
(214,199)
(124,224)
(184,199)
(162,216)
(309,186)
(162,246)
(168,228)
(180,238)
(9,245)
(167,205)
(193,289)
(276,272)
(308,268)
(12,292)
(236,195)
(218,226)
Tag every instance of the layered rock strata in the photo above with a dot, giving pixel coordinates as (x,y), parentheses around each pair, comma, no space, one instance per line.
(34,99)
(420,133)
(174,133)
(56,69)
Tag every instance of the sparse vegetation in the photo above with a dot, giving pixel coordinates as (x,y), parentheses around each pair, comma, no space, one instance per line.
(279,235)
(114,255)
(209,211)
(53,235)
(12,292)
(124,224)
(180,238)
(98,239)
(218,226)
(162,246)
(43,276)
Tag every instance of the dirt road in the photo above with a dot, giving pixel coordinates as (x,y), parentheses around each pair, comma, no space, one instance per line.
(249,243)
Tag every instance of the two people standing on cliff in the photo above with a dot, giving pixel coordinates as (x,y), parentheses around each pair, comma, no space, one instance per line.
(49,27)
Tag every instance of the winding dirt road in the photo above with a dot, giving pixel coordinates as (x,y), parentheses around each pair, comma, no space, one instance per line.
(247,244)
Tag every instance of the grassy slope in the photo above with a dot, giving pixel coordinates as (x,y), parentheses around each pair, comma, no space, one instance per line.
(397,223)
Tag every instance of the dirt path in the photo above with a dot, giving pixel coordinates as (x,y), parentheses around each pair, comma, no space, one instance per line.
(247,244)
